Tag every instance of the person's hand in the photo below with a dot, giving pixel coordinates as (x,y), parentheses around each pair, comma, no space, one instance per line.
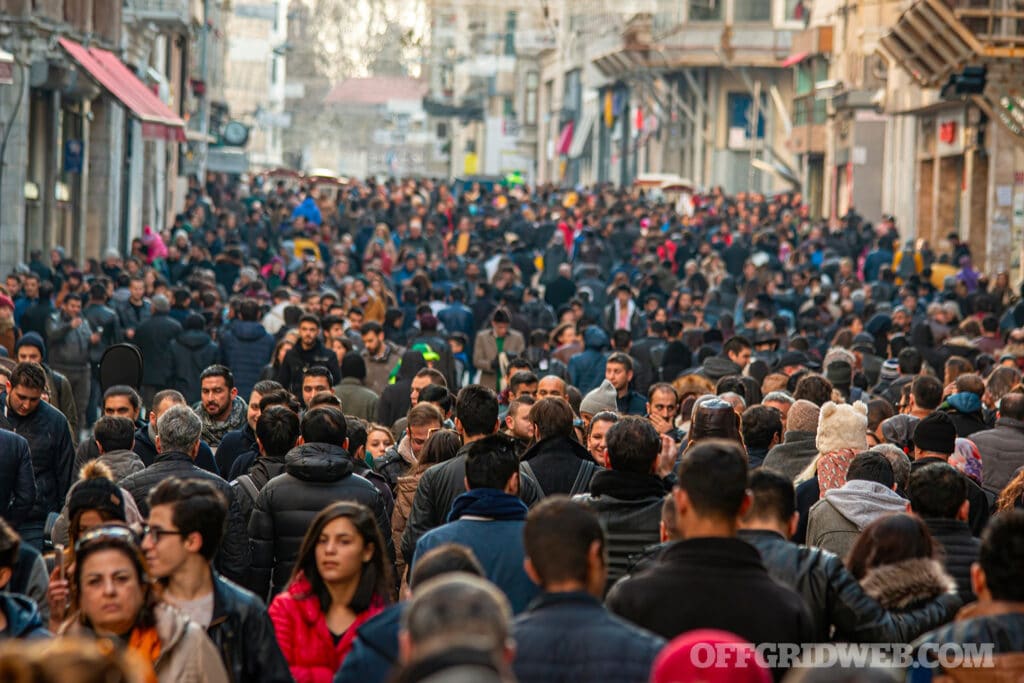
(661,425)
(94,338)
(57,595)
(130,333)
(667,457)
(76,323)
(949,390)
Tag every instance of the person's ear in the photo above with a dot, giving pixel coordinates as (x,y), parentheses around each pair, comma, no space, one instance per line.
(156,443)
(794,522)
(344,444)
(964,512)
(512,487)
(299,441)
(405,648)
(531,571)
(5,576)
(259,447)
(748,500)
(234,393)
(99,446)
(979,583)
(465,482)
(193,542)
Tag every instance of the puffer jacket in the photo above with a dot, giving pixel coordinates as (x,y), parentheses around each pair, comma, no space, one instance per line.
(793,455)
(586,369)
(53,454)
(192,352)
(17,480)
(836,599)
(244,635)
(302,633)
(316,475)
(245,347)
(68,346)
(907,584)
(1001,454)
(572,637)
(629,507)
(233,555)
(960,551)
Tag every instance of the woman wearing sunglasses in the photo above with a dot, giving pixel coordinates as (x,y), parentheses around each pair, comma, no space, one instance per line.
(113,599)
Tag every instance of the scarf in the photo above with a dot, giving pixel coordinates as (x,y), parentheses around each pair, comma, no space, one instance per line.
(490,503)
(214,431)
(832,469)
(145,642)
(967,459)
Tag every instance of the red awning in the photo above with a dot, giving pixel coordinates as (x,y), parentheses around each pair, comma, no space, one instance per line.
(565,139)
(793,60)
(158,121)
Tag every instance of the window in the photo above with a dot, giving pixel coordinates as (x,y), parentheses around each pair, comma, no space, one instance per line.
(740,109)
(752,10)
(510,33)
(530,106)
(796,10)
(706,10)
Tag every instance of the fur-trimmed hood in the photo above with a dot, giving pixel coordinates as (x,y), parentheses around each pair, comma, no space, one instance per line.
(903,585)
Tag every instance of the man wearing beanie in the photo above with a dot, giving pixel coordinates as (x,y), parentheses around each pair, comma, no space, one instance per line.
(798,447)
(356,399)
(32,349)
(600,400)
(935,441)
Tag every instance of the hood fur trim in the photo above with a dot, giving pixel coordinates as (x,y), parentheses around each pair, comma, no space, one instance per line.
(903,584)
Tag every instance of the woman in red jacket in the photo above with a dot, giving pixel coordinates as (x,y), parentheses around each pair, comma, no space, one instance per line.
(341,580)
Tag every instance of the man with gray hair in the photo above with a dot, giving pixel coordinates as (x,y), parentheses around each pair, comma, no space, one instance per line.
(458,624)
(153,337)
(177,444)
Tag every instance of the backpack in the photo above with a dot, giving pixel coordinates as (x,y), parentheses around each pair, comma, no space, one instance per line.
(580,485)
(246,483)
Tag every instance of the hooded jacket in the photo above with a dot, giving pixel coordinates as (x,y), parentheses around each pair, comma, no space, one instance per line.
(316,475)
(245,347)
(837,519)
(191,352)
(964,409)
(586,369)
(23,620)
(379,368)
(1001,453)
(793,455)
(907,584)
(69,346)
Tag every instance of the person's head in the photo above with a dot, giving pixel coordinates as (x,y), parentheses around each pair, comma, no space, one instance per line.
(954,367)
(309,330)
(925,393)
(94,500)
(633,445)
(111,590)
(476,411)
(136,288)
(378,440)
(773,503)
(711,494)
(714,418)
(259,390)
(523,383)
(423,419)
(26,387)
(517,419)
(500,322)
(446,558)
(373,337)
(761,427)
(552,417)
(565,547)
(492,463)
(185,525)
(871,466)
(353,365)
(277,431)
(814,388)
(888,540)
(909,361)
(999,572)
(441,446)
(30,349)
(597,433)
(938,490)
(935,436)
(738,349)
(551,385)
(218,392)
(344,546)
(782,402)
(121,400)
(113,434)
(456,611)
(619,371)
(899,462)
(315,379)
(324,424)
(663,401)
(423,379)
(178,430)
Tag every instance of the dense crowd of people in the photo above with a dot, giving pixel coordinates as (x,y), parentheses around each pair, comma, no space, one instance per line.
(414,431)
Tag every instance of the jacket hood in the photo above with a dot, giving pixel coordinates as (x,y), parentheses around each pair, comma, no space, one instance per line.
(902,584)
(965,402)
(318,462)
(22,615)
(248,330)
(862,502)
(194,339)
(594,338)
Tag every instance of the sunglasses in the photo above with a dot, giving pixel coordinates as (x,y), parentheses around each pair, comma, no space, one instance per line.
(111,532)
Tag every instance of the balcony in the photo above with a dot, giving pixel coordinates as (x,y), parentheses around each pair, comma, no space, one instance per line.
(809,132)
(161,12)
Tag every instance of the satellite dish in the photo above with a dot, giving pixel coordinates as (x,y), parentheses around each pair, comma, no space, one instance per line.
(236,134)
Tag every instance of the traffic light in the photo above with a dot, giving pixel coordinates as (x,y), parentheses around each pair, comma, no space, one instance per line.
(970,81)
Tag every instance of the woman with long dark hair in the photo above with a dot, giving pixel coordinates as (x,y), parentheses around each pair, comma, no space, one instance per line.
(341,579)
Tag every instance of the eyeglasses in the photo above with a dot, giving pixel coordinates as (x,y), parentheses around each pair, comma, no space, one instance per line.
(109,532)
(157,533)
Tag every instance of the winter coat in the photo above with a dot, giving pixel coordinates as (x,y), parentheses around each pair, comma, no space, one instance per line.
(235,443)
(302,633)
(835,598)
(586,369)
(793,455)
(132,317)
(965,410)
(23,620)
(717,583)
(121,463)
(246,347)
(571,637)
(378,370)
(298,360)
(629,508)
(1001,452)
(244,635)
(907,584)
(458,318)
(396,462)
(996,624)
(316,475)
(356,399)
(960,550)
(68,346)
(485,354)
(233,555)
(375,649)
(191,352)
(405,492)
(980,505)
(146,450)
(262,471)
(17,480)
(560,465)
(53,454)
(153,338)
(835,521)
(103,317)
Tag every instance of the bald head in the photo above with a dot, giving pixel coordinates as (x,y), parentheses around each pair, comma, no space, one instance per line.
(551,386)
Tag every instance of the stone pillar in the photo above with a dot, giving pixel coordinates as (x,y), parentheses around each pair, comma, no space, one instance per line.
(15,165)
(1002,156)
(105,161)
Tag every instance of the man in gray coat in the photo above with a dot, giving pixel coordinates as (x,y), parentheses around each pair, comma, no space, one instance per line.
(356,399)
(1000,447)
(494,348)
(70,339)
(798,447)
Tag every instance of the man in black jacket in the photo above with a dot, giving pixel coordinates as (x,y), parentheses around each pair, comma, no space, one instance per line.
(556,461)
(177,444)
(153,336)
(277,432)
(711,579)
(49,440)
(938,494)
(476,410)
(17,481)
(834,597)
(934,441)
(184,529)
(308,352)
(105,321)
(317,473)
(145,437)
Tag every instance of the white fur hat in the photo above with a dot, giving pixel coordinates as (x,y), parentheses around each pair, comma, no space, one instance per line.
(842,426)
